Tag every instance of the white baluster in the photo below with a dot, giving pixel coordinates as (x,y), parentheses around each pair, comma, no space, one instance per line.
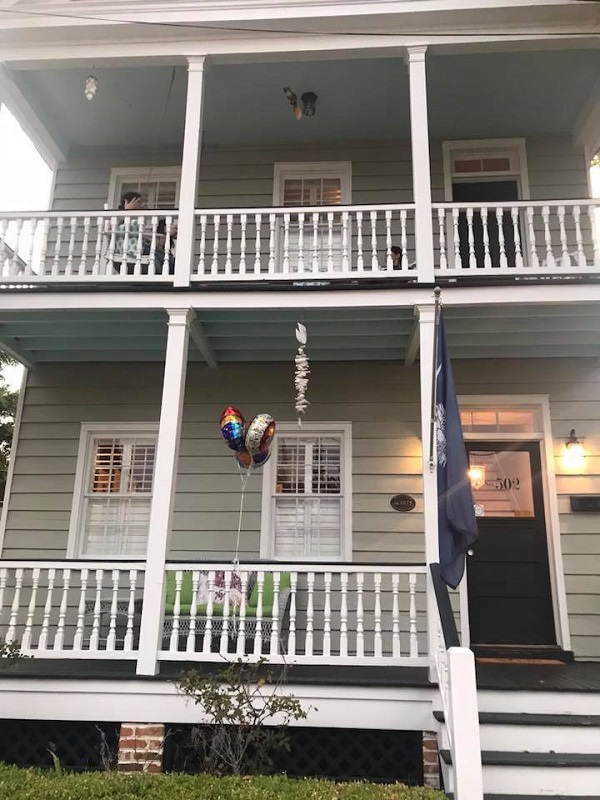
(327,617)
(442,234)
(581,259)
(26,638)
(388,239)
(344,615)
(300,267)
(286,244)
(456,235)
(345,238)
(190,644)
(403,239)
(71,248)
(224,642)
(3,578)
(596,234)
(126,230)
(550,262)
(315,243)
(95,636)
(43,641)
(310,614)
(14,263)
(330,241)
(207,641)
(152,253)
(112,243)
(565,260)
(243,228)
(229,244)
(202,256)
(14,609)
(414,644)
(360,262)
(500,218)
(174,639)
(395,617)
(44,235)
(471,238)
(260,583)
(257,244)
(59,639)
(128,643)
(533,256)
(168,245)
(360,630)
(26,270)
(272,223)
(514,213)
(274,648)
(214,268)
(80,629)
(292,623)
(487,258)
(377,651)
(241,632)
(98,246)
(3,251)
(112,627)
(374,259)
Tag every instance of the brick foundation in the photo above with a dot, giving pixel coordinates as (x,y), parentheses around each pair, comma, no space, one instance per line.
(141,747)
(431,764)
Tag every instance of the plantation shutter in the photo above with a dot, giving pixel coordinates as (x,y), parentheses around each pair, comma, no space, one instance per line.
(116,503)
(308,498)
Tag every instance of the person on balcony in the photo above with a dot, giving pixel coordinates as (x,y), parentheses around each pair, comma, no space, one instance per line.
(127,239)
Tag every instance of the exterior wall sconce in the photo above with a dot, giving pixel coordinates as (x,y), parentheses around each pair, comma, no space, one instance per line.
(309,104)
(572,456)
(477,476)
(90,87)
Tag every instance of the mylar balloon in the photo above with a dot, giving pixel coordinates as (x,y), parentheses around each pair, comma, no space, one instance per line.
(260,434)
(243,458)
(232,427)
(261,458)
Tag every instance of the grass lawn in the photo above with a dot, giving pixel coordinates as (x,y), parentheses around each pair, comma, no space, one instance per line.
(32,784)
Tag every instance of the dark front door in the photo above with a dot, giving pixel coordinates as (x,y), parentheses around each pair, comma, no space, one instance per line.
(510,599)
(487,192)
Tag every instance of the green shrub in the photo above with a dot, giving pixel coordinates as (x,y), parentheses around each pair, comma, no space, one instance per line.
(32,784)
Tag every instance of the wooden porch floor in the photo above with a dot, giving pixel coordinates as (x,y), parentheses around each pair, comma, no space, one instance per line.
(581,676)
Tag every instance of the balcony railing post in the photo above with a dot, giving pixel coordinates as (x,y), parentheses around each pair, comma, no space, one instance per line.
(167,451)
(192,141)
(419,128)
(430,508)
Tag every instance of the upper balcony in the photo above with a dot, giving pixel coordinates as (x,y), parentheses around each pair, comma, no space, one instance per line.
(466,165)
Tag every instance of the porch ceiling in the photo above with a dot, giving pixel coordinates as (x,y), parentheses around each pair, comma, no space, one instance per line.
(472,95)
(236,335)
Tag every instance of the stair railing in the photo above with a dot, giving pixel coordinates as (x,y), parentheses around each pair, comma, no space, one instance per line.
(454,667)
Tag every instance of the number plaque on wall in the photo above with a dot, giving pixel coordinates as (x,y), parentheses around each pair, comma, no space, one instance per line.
(403,502)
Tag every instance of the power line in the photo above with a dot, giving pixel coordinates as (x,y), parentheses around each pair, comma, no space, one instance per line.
(233,28)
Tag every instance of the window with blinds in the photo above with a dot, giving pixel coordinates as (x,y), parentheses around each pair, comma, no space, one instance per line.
(117,495)
(158,186)
(307,516)
(155,194)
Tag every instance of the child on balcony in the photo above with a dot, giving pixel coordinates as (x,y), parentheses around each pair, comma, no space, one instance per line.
(127,239)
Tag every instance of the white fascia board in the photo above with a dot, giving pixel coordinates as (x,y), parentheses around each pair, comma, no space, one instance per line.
(536,294)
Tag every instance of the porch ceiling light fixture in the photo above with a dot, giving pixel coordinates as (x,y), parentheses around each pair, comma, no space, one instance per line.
(309,104)
(572,456)
(91,87)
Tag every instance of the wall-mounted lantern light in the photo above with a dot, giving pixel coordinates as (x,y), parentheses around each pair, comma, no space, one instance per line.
(309,104)
(572,456)
(477,476)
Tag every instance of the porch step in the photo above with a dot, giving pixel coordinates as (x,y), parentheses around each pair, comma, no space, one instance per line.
(499,758)
(502,718)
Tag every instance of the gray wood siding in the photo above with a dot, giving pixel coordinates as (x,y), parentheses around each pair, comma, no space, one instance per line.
(238,177)
(384,411)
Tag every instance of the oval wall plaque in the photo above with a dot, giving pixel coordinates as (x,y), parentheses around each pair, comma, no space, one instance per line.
(403,502)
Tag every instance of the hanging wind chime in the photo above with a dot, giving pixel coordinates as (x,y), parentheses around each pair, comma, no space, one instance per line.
(302,373)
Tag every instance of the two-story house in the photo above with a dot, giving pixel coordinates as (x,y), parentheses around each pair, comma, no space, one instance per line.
(281,151)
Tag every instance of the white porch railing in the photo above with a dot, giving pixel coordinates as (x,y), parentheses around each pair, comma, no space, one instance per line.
(325,614)
(53,247)
(284,243)
(558,237)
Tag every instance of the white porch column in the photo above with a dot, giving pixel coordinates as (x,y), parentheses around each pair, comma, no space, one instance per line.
(165,469)
(430,501)
(192,142)
(419,131)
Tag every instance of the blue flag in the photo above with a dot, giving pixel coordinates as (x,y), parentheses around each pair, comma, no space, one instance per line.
(457,526)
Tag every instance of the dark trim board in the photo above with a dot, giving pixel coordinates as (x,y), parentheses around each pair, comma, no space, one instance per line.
(523,652)
(580,676)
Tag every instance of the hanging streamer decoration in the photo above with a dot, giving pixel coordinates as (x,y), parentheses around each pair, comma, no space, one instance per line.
(302,373)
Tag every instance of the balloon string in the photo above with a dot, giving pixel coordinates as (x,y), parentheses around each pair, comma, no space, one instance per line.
(236,559)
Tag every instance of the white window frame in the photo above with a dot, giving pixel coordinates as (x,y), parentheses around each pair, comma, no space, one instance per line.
(90,431)
(342,429)
(296,170)
(121,175)
(541,405)
(514,149)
